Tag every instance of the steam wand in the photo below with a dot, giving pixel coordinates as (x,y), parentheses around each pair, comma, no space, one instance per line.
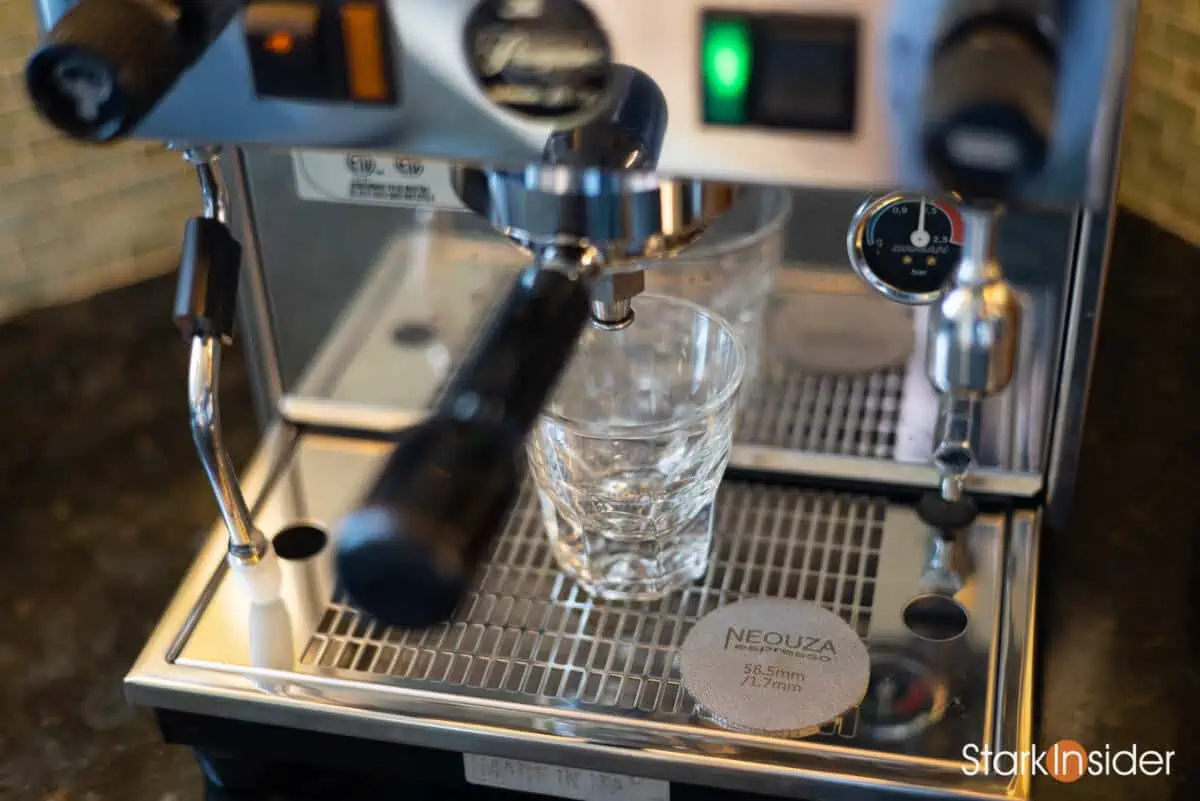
(205,312)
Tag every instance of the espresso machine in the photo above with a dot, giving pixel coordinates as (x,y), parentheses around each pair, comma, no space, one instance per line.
(410,210)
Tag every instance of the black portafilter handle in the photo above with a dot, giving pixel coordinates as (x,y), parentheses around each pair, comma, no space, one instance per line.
(408,554)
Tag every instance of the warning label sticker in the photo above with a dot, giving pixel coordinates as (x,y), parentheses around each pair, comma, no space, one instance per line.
(373,179)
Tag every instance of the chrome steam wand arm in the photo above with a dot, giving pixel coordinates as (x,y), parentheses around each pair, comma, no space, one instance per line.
(205,309)
(246,543)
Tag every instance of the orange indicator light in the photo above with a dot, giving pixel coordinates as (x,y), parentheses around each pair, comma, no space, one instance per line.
(362,29)
(280,43)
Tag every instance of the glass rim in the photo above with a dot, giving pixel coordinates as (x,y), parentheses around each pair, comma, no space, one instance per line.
(725,396)
(775,221)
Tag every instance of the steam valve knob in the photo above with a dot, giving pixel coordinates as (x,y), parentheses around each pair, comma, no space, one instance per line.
(990,107)
(104,65)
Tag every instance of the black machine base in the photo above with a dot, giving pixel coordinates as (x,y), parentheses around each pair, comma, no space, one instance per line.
(256,762)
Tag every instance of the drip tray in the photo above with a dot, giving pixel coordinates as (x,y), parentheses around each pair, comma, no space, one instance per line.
(530,633)
(533,663)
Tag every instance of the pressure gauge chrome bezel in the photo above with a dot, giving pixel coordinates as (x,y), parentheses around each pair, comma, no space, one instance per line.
(931,713)
(856,247)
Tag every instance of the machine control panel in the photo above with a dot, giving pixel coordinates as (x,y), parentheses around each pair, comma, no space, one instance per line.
(1005,98)
(780,71)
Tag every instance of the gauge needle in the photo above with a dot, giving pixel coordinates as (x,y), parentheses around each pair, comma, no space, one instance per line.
(920,237)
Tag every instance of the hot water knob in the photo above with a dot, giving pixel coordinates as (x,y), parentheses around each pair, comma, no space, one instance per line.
(990,99)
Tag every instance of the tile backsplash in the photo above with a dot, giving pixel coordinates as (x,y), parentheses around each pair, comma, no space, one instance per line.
(1160,174)
(77,219)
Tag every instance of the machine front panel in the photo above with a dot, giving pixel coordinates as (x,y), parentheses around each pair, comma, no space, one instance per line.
(803,92)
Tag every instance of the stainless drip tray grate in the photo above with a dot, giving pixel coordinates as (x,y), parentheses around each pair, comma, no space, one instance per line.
(844,415)
(847,415)
(528,634)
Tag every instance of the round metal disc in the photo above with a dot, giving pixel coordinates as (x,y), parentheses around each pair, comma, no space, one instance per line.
(774,666)
(839,334)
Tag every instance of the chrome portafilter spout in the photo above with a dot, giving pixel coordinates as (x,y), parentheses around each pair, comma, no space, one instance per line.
(587,214)
(205,311)
(971,353)
(628,137)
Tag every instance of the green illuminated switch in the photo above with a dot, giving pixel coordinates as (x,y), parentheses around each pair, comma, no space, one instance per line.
(727,58)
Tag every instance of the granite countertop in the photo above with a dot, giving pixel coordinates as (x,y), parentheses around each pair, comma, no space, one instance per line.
(106,503)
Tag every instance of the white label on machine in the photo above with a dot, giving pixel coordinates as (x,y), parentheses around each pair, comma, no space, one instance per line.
(572,783)
(373,179)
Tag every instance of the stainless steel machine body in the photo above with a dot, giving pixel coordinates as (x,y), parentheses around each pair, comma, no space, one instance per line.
(364,279)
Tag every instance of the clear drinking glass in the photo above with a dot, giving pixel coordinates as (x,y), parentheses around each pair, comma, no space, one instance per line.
(732,268)
(628,454)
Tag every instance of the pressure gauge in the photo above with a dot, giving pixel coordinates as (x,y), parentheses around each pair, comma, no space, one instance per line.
(906,246)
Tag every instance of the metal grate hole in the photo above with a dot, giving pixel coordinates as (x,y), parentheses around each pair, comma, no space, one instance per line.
(299,542)
(529,634)
(852,415)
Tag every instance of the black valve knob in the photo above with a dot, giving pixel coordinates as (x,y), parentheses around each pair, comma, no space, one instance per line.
(408,555)
(104,65)
(990,103)
(948,517)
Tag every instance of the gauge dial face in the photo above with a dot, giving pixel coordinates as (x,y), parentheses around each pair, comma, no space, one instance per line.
(907,246)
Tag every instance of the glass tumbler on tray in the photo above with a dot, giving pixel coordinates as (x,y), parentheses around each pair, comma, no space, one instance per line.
(628,454)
